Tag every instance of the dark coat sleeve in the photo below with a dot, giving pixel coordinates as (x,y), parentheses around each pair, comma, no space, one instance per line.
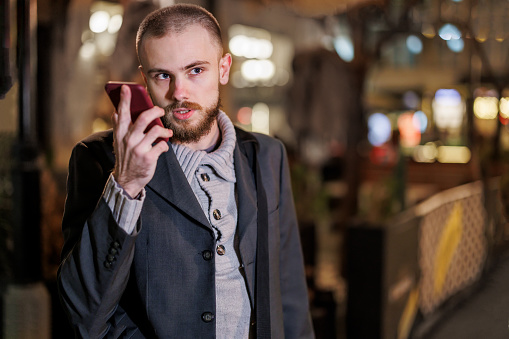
(284,239)
(97,253)
(294,294)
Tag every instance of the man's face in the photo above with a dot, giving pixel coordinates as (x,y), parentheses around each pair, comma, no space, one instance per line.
(183,72)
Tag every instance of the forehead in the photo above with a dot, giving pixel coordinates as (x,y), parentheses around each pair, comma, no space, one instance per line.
(195,42)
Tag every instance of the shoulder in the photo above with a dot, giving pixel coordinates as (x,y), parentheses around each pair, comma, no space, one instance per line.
(270,150)
(263,140)
(103,138)
(98,146)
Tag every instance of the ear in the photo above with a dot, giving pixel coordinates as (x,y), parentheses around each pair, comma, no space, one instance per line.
(224,68)
(140,67)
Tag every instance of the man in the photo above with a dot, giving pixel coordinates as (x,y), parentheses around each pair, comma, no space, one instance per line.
(195,238)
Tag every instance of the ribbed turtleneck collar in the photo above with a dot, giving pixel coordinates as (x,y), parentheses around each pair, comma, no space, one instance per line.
(221,159)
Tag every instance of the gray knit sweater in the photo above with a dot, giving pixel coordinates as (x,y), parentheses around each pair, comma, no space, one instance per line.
(212,178)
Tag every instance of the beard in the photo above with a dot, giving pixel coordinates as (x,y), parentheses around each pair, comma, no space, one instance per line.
(183,131)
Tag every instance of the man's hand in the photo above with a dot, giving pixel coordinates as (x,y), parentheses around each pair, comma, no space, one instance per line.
(135,156)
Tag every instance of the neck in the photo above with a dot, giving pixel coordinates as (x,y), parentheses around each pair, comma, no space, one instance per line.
(207,141)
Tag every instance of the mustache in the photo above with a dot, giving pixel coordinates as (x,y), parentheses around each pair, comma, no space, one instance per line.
(183,104)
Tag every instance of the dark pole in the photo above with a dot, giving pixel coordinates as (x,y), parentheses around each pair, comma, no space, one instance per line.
(5,77)
(24,69)
(27,263)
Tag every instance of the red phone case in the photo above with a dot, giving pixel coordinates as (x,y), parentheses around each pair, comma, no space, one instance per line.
(140,101)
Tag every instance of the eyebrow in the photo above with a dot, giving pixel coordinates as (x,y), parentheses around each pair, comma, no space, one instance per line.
(191,65)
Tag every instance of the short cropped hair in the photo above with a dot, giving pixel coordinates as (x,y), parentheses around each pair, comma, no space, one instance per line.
(175,19)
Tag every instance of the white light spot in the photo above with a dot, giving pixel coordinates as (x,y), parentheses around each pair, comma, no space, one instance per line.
(260,118)
(344,48)
(99,21)
(115,24)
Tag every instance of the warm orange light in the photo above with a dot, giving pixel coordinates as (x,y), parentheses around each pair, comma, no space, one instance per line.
(244,115)
(410,135)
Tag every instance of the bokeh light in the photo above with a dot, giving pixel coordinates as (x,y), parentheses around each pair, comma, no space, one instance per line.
(251,48)
(99,125)
(260,118)
(379,129)
(448,109)
(411,100)
(344,47)
(486,107)
(410,135)
(87,50)
(504,107)
(115,23)
(428,30)
(254,70)
(420,120)
(453,154)
(425,153)
(99,21)
(414,44)
(449,32)
(456,45)
(244,115)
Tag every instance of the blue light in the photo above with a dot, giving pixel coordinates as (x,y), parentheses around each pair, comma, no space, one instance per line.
(456,45)
(420,121)
(380,130)
(414,44)
(449,32)
(448,97)
(344,47)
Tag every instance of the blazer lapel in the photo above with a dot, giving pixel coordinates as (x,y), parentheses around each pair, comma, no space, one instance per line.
(171,184)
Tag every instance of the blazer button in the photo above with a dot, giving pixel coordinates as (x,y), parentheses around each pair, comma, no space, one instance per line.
(108,264)
(110,258)
(207,317)
(217,214)
(220,250)
(113,251)
(115,245)
(207,255)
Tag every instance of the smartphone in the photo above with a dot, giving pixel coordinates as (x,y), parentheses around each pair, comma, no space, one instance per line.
(140,101)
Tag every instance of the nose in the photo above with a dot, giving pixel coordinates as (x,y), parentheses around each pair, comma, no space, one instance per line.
(179,90)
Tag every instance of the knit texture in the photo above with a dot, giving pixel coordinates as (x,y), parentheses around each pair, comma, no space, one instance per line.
(221,159)
(212,179)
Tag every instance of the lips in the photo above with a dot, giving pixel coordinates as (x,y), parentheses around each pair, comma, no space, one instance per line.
(182,113)
(183,110)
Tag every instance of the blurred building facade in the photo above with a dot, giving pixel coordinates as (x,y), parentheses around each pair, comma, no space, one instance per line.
(382,104)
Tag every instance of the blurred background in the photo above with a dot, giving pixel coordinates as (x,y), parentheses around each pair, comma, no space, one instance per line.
(394,114)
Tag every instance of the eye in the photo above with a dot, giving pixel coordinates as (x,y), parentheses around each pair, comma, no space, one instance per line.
(162,76)
(196,70)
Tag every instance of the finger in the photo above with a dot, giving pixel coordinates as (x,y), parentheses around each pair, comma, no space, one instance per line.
(123,117)
(155,133)
(160,148)
(146,117)
(124,106)
(114,119)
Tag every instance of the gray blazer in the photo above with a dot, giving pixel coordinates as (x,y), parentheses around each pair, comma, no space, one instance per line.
(161,282)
